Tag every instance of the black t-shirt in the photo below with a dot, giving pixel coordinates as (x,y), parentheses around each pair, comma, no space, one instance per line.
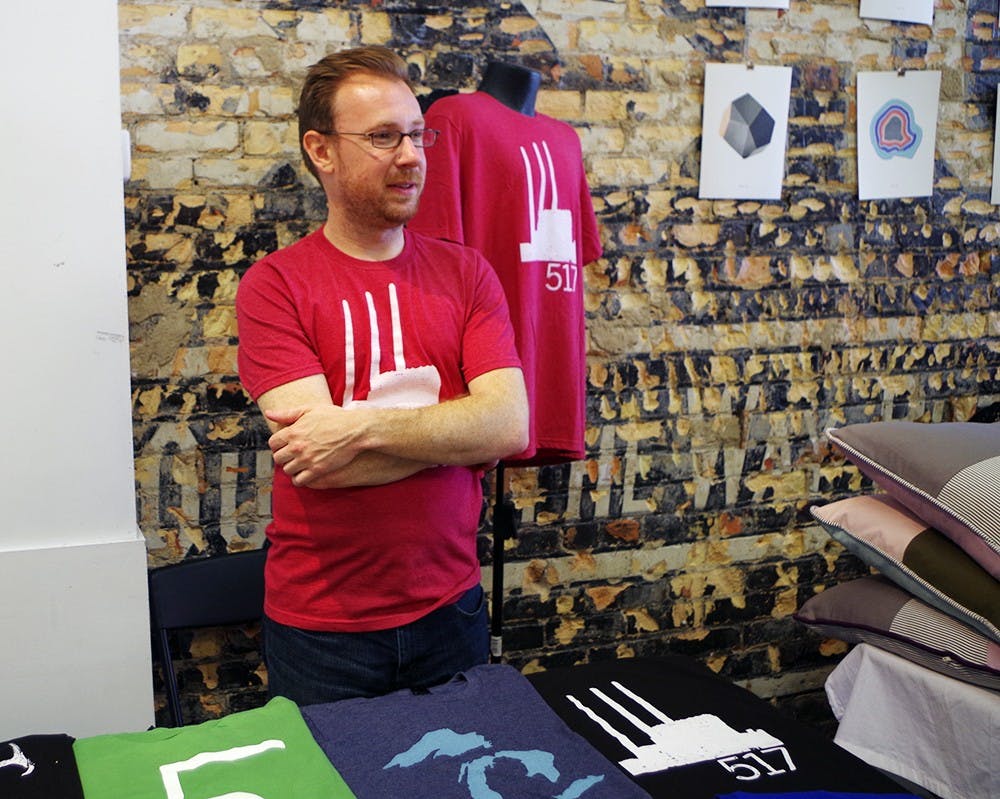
(39,767)
(683,732)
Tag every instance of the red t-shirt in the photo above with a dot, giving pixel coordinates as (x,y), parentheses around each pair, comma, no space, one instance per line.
(424,324)
(513,186)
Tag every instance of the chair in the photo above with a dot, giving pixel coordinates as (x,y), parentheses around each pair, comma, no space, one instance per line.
(208,592)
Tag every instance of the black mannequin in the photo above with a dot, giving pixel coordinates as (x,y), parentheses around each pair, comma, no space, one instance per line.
(514,86)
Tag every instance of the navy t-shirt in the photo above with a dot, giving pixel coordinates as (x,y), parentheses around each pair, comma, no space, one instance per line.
(486,733)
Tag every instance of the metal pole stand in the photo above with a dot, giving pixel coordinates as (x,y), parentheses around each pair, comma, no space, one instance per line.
(504,527)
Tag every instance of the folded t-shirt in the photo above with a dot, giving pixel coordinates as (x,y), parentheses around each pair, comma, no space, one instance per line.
(684,732)
(39,767)
(814,795)
(486,733)
(267,751)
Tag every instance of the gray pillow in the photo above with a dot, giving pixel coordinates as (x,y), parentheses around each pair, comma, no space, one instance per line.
(947,474)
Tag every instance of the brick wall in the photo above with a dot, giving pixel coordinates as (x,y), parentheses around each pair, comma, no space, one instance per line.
(724,336)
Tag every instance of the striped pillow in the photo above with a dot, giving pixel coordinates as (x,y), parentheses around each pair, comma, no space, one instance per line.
(947,474)
(875,611)
(916,557)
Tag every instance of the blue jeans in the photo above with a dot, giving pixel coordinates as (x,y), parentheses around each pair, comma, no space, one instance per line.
(312,667)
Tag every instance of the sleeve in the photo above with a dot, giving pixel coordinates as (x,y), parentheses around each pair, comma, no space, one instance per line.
(590,237)
(273,346)
(488,342)
(440,211)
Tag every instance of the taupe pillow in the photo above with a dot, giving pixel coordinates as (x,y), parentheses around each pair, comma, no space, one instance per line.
(916,557)
(875,611)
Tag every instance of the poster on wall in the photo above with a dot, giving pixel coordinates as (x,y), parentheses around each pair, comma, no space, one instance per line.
(897,128)
(920,11)
(995,197)
(744,130)
(746,3)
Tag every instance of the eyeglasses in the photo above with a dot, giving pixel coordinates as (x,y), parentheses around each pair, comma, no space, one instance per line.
(391,139)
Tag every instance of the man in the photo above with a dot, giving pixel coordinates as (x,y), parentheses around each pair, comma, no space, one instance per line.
(384,363)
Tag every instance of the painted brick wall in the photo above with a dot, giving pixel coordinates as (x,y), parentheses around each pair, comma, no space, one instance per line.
(723,336)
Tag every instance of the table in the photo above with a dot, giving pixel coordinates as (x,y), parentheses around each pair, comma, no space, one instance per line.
(934,730)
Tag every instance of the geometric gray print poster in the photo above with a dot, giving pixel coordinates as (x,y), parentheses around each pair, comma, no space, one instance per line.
(918,11)
(897,128)
(744,131)
(746,4)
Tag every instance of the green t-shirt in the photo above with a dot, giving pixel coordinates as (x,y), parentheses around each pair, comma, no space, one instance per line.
(265,753)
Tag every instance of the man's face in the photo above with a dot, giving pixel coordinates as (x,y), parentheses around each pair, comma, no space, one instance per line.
(372,187)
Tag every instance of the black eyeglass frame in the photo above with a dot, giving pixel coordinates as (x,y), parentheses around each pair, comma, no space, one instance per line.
(418,137)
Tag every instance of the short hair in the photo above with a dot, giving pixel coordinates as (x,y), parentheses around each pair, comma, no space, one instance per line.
(317,101)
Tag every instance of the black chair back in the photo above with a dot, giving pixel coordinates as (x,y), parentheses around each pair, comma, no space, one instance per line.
(208,592)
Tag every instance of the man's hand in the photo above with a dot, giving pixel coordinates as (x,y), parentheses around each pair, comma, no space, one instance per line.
(314,441)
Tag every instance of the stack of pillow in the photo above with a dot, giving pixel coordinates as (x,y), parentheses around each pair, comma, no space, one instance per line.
(932,533)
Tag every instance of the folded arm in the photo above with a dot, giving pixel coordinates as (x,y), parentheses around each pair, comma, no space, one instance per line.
(321,445)
(372,468)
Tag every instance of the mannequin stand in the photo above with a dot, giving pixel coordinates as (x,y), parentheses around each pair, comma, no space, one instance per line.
(504,527)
